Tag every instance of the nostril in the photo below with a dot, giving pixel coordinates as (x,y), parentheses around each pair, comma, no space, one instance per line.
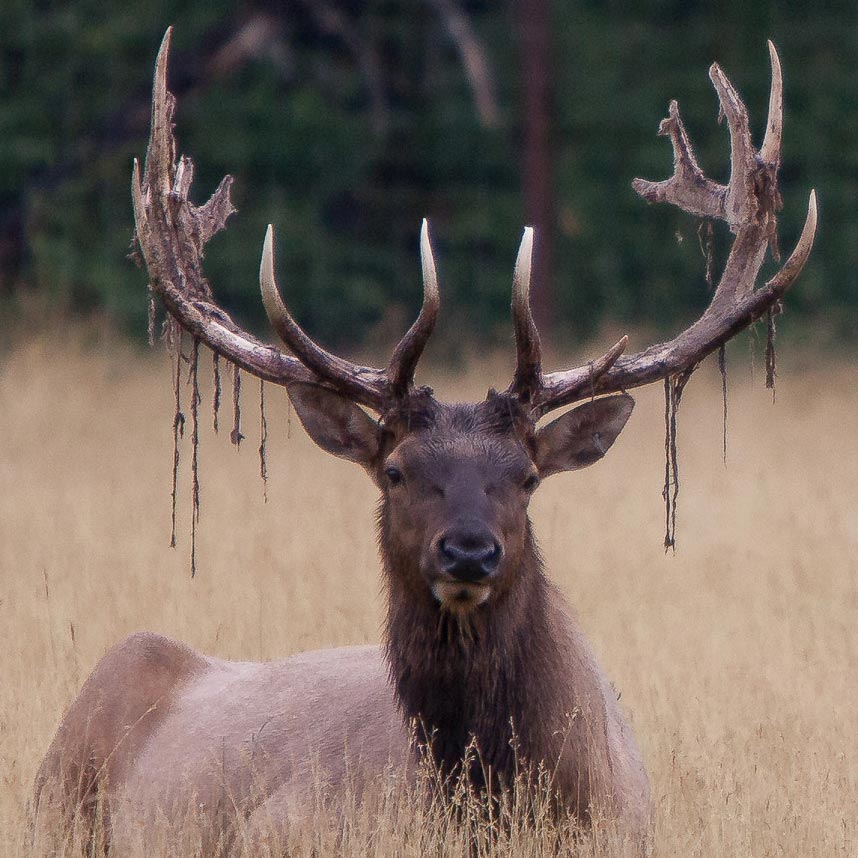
(452,554)
(469,558)
(493,557)
(447,554)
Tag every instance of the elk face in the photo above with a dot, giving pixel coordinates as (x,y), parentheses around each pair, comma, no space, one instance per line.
(456,481)
(455,504)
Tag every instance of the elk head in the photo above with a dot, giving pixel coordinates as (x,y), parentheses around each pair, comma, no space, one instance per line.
(456,479)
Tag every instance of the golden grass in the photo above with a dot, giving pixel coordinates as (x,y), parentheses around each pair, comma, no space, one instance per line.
(736,657)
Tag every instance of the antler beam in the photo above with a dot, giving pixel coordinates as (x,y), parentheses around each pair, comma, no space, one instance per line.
(172,234)
(748,204)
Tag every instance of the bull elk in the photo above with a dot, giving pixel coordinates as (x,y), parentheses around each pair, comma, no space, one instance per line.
(479,646)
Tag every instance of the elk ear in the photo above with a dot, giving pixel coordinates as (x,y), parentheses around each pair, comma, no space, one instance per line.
(335,423)
(581,436)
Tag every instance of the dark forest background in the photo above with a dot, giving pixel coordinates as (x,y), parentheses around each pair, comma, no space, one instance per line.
(345,122)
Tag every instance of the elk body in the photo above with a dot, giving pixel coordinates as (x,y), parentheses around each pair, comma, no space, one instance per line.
(479,646)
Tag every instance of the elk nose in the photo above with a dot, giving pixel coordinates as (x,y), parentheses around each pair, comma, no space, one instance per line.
(468,557)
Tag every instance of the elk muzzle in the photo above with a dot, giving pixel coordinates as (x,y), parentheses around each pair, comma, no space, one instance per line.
(468,557)
(465,561)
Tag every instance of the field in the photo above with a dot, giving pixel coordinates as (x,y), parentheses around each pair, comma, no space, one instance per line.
(735,656)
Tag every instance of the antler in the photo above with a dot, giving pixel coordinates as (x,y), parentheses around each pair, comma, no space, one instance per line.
(748,204)
(172,233)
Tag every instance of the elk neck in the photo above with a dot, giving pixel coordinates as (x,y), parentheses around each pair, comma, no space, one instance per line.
(496,675)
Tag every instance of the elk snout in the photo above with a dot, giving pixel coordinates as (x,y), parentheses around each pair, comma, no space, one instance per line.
(468,557)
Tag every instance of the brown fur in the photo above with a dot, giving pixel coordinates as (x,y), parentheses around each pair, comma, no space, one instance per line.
(514,674)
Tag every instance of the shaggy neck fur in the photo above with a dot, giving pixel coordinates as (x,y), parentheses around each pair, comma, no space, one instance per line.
(504,676)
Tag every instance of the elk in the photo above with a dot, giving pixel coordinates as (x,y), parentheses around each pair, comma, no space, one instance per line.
(479,647)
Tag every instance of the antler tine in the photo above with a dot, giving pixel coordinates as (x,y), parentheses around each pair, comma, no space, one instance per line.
(770,151)
(544,392)
(569,385)
(407,353)
(784,278)
(527,380)
(740,201)
(688,187)
(363,383)
(161,148)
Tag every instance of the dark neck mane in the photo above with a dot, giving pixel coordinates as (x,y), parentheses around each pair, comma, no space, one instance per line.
(500,676)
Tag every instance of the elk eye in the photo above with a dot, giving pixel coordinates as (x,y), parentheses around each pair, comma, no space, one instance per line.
(531,483)
(394,475)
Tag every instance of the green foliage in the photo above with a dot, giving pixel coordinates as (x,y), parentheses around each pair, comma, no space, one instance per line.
(344,138)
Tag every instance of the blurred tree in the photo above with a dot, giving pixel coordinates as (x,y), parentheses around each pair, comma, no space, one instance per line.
(346,121)
(537,180)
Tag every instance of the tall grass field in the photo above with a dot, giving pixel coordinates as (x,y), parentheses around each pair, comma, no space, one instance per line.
(736,656)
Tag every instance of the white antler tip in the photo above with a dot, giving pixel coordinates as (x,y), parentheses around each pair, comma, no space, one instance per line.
(266,267)
(430,273)
(165,42)
(525,250)
(771,148)
(425,243)
(811,214)
(521,278)
(161,61)
(773,52)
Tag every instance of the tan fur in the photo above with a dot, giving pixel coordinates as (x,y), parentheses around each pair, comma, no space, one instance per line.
(167,731)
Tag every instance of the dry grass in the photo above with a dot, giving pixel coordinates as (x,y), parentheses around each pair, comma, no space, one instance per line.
(735,656)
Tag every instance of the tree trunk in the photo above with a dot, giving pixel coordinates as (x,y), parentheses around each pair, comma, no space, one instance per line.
(537,185)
